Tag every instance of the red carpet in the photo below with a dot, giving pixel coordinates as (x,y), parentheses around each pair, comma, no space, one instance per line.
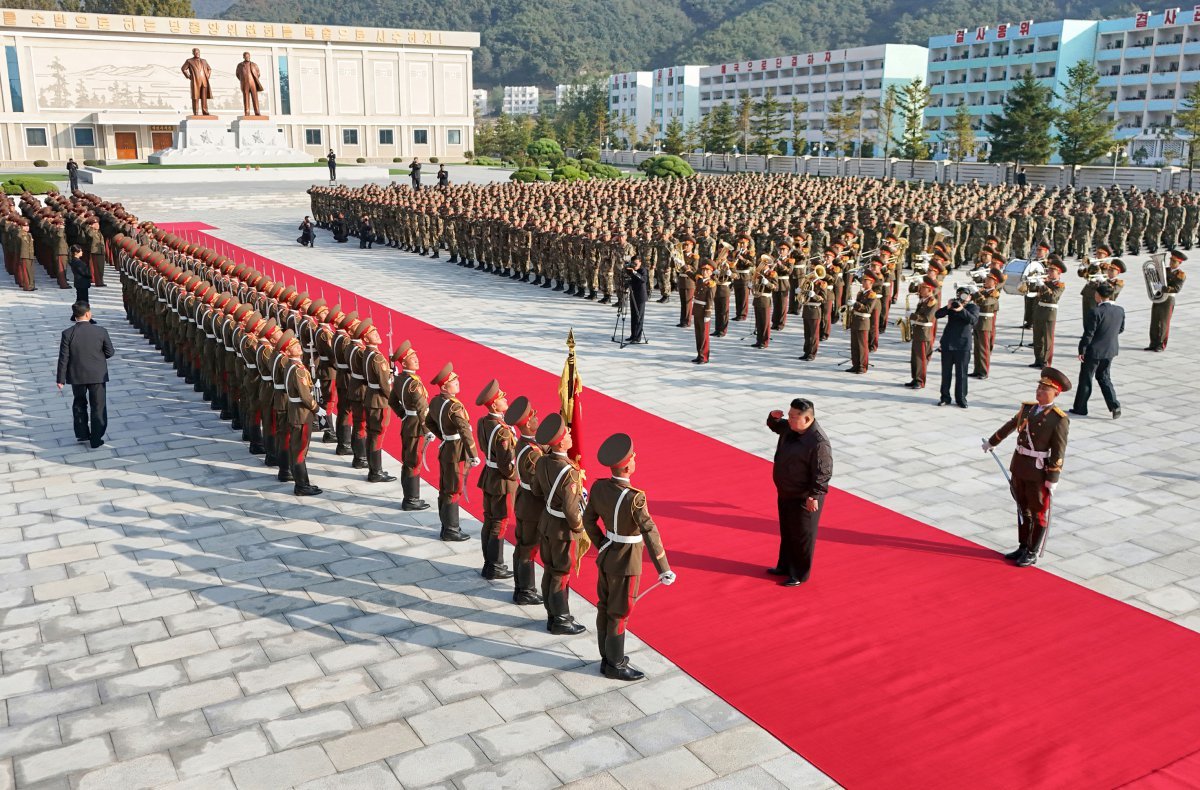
(912,659)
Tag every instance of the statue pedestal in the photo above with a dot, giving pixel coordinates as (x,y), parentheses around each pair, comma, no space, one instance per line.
(201,141)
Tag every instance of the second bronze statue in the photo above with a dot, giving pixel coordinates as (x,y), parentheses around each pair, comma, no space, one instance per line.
(198,72)
(248,77)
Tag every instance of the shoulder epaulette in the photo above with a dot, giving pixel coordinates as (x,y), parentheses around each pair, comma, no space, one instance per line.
(1059,412)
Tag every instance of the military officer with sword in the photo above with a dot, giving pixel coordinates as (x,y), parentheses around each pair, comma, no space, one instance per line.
(447,420)
(410,402)
(1041,429)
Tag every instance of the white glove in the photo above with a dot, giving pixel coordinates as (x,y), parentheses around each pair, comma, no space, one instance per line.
(987,447)
(321,412)
(667,578)
(475,462)
(1051,486)
(429,437)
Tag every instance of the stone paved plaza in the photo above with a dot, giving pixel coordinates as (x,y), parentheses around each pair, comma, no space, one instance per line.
(170,615)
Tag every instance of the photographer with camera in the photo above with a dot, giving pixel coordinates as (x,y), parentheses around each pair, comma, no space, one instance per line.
(961,316)
(638,293)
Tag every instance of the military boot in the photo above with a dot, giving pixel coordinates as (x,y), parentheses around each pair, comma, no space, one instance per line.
(375,464)
(358,445)
(618,669)
(493,559)
(343,441)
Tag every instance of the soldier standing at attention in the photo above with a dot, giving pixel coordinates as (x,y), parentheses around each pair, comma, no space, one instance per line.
(626,527)
(814,310)
(377,373)
(410,401)
(701,306)
(559,483)
(301,409)
(1045,315)
(1041,429)
(921,322)
(527,508)
(1162,310)
(497,480)
(447,419)
(987,299)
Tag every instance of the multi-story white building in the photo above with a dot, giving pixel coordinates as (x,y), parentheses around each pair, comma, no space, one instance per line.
(1148,63)
(108,86)
(563,92)
(520,100)
(815,80)
(979,66)
(629,100)
(674,95)
(479,100)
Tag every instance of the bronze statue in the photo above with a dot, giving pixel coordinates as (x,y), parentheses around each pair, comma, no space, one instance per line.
(247,74)
(197,70)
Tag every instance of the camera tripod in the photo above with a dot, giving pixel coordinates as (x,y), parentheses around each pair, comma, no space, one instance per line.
(1012,347)
(618,335)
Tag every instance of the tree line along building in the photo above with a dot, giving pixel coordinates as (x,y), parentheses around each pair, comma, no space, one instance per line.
(1147,63)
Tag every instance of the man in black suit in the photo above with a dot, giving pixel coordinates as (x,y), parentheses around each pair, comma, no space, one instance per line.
(1097,349)
(961,315)
(639,293)
(83,363)
(81,271)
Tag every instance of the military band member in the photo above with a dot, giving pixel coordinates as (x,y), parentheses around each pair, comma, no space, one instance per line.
(527,508)
(1163,307)
(761,288)
(1046,314)
(685,282)
(987,299)
(1102,268)
(1041,428)
(410,401)
(815,306)
(377,375)
(743,271)
(921,323)
(723,277)
(861,315)
(497,479)
(1041,254)
(447,419)
(703,296)
(558,482)
(618,522)
(781,299)
(301,409)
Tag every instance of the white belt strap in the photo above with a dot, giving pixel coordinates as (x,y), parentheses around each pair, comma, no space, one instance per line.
(453,437)
(922,323)
(517,465)
(1038,455)
(550,494)
(492,464)
(1051,305)
(615,538)
(986,315)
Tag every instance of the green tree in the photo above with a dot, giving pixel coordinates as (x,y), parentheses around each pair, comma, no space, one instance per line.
(843,120)
(744,122)
(1085,132)
(691,136)
(799,127)
(1020,132)
(768,125)
(545,151)
(650,134)
(959,137)
(722,130)
(1187,120)
(911,102)
(885,113)
(673,137)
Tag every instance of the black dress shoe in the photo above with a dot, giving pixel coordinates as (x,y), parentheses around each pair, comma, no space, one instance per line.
(943,403)
(962,405)
(527,598)
(359,463)
(1027,559)
(306,490)
(96,443)
(1036,365)
(777,571)
(806,358)
(565,626)
(414,504)
(1116,413)
(791,581)
(623,672)
(912,385)
(454,536)
(1077,413)
(1015,555)
(380,477)
(497,572)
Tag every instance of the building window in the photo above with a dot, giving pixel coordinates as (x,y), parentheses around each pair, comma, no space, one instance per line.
(312,136)
(420,136)
(285,87)
(85,137)
(387,137)
(454,136)
(35,137)
(349,137)
(14,80)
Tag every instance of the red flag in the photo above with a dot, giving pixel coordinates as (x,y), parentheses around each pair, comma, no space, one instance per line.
(570,387)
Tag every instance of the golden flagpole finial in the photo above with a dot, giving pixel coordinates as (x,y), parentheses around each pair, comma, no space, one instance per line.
(571,338)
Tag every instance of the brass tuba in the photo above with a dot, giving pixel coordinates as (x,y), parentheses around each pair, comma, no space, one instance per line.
(1155,272)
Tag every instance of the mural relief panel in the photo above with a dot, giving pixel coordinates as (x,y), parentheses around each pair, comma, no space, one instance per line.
(420,89)
(386,92)
(454,89)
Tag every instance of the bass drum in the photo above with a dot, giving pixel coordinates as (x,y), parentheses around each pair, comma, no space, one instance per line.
(1014,272)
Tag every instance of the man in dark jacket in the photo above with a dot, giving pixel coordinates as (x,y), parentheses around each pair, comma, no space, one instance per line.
(961,316)
(331,157)
(802,470)
(83,363)
(81,271)
(1097,349)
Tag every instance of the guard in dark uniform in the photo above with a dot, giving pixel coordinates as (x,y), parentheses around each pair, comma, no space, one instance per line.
(1041,428)
(447,419)
(627,525)
(558,482)
(527,508)
(498,478)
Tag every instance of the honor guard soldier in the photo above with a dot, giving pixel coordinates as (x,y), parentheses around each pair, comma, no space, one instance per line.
(357,394)
(921,324)
(1045,315)
(527,508)
(377,373)
(558,482)
(323,336)
(627,525)
(301,409)
(497,479)
(703,295)
(341,346)
(410,401)
(1163,305)
(1041,429)
(987,299)
(447,419)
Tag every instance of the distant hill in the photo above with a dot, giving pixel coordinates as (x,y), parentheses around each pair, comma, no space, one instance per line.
(545,42)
